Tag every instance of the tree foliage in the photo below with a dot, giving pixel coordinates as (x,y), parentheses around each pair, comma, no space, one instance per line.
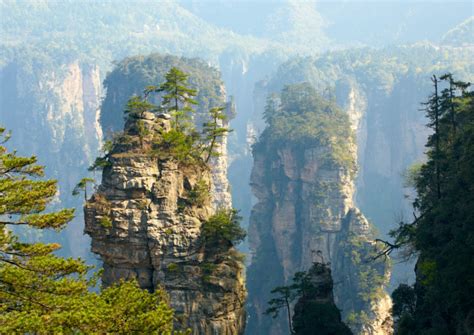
(81,186)
(442,232)
(130,76)
(213,130)
(183,141)
(299,115)
(45,294)
(178,97)
(223,226)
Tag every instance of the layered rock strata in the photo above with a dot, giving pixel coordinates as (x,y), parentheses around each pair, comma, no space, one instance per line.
(144,225)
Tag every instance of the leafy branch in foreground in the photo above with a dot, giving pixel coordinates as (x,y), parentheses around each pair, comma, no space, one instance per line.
(42,293)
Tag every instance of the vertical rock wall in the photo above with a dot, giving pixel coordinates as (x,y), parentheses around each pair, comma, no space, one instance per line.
(53,112)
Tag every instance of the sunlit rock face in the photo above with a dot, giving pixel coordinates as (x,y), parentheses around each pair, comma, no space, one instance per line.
(144,226)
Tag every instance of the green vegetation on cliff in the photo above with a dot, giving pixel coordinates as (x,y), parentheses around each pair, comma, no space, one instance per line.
(442,232)
(223,226)
(130,76)
(173,99)
(300,116)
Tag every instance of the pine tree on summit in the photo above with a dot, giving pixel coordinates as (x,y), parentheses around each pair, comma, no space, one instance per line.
(178,97)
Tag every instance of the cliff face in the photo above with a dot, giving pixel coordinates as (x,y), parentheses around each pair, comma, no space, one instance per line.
(53,111)
(144,226)
(361,280)
(304,209)
(305,213)
(381,93)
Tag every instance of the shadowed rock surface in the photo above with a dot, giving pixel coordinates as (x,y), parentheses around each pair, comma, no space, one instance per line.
(315,311)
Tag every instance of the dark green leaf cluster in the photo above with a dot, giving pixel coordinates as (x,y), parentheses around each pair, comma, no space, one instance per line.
(223,227)
(178,97)
(136,107)
(315,312)
(442,232)
(185,147)
(200,193)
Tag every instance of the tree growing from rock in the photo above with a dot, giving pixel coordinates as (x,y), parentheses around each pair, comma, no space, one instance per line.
(178,98)
(82,187)
(213,131)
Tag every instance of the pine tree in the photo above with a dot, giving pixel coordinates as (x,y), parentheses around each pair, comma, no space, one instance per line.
(213,131)
(441,235)
(137,106)
(178,97)
(433,113)
(285,296)
(82,187)
(41,293)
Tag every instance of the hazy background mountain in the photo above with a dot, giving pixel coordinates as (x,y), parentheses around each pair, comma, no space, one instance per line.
(349,22)
(54,56)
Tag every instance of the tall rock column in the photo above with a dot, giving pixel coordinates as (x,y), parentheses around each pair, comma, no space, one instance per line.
(145,225)
(303,180)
